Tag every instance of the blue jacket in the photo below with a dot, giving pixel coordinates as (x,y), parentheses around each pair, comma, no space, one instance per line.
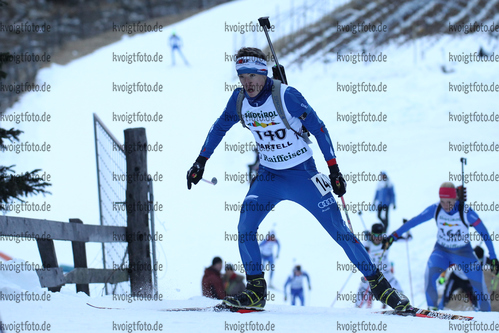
(295,104)
(429,213)
(385,195)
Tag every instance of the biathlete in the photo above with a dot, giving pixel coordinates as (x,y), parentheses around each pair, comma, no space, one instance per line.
(267,251)
(285,173)
(453,246)
(374,246)
(295,282)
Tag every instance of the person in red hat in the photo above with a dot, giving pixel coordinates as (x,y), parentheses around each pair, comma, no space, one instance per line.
(453,245)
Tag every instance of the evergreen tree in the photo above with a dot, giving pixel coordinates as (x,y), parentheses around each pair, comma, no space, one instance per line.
(12,186)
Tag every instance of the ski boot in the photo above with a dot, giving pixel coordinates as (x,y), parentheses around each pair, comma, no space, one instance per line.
(254,297)
(384,292)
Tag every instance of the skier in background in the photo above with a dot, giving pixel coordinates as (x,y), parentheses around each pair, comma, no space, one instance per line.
(267,251)
(285,173)
(296,285)
(453,245)
(374,246)
(176,44)
(384,197)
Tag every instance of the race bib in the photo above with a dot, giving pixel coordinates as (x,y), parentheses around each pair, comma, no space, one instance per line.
(323,183)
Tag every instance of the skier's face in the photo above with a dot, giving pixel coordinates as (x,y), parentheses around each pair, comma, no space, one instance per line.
(252,83)
(377,238)
(447,204)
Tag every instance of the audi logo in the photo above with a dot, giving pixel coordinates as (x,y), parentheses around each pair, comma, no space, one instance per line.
(325,203)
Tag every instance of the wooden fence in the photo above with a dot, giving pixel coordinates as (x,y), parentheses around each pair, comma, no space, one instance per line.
(136,234)
(51,276)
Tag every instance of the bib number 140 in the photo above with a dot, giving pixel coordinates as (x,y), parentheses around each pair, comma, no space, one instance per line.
(323,183)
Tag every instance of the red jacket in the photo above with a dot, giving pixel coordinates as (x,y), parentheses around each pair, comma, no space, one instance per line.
(212,284)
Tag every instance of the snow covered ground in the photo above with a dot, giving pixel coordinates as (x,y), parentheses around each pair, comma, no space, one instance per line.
(417,133)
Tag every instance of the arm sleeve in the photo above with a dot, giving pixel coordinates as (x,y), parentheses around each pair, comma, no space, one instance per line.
(477,223)
(299,108)
(228,118)
(288,281)
(426,215)
(392,195)
(308,278)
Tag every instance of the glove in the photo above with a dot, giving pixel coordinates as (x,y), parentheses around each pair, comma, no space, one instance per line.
(337,181)
(195,173)
(441,280)
(388,242)
(285,297)
(394,207)
(494,266)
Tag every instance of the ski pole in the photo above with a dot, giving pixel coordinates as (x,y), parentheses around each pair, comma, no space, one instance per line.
(265,23)
(212,182)
(362,220)
(408,258)
(384,250)
(366,232)
(346,213)
(409,265)
(343,287)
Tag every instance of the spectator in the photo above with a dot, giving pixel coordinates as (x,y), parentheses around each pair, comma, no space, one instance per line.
(233,282)
(212,284)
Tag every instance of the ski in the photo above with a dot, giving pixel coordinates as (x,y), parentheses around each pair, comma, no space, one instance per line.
(104,308)
(417,312)
(216,308)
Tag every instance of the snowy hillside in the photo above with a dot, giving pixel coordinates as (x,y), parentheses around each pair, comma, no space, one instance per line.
(418,134)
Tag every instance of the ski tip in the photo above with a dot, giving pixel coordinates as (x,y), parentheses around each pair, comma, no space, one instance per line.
(226,307)
(248,310)
(102,307)
(422,313)
(94,306)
